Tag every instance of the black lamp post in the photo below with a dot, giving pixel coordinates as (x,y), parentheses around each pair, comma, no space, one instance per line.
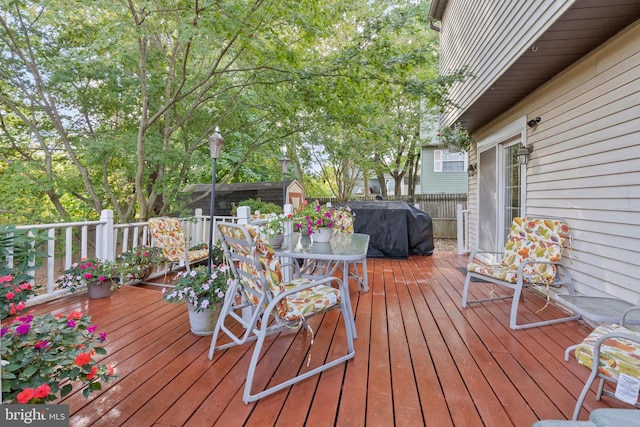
(215,146)
(284,165)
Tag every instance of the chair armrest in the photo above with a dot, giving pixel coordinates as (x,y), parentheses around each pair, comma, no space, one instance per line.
(623,318)
(296,268)
(478,251)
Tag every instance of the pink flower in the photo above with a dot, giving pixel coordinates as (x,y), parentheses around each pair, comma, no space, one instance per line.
(7,278)
(41,344)
(23,329)
(10,295)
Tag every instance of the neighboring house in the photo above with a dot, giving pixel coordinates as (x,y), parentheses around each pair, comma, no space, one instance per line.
(374,186)
(576,66)
(441,171)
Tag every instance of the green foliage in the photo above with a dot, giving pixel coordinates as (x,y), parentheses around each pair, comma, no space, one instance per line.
(47,354)
(456,136)
(111,104)
(258,205)
(199,288)
(26,247)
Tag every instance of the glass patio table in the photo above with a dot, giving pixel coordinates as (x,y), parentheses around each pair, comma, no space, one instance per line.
(343,248)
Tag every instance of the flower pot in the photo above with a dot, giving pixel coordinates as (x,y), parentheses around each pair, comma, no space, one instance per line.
(323,235)
(203,322)
(143,272)
(98,290)
(276,241)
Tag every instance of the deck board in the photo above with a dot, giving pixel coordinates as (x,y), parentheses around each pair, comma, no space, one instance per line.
(420,360)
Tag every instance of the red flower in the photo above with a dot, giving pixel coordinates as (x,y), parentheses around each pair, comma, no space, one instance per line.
(42,391)
(92,374)
(82,359)
(25,395)
(75,314)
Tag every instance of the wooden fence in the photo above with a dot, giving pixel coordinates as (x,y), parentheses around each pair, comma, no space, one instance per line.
(440,207)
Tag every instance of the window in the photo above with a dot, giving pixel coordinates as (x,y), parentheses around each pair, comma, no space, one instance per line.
(445,161)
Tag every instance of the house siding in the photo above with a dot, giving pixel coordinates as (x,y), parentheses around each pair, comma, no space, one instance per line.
(440,182)
(585,163)
(496,33)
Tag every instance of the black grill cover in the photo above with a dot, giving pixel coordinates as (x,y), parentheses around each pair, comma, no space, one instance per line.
(397,229)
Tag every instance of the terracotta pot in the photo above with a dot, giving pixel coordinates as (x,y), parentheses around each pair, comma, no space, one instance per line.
(203,322)
(97,290)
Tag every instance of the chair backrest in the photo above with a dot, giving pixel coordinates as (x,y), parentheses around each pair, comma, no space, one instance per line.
(536,239)
(167,234)
(254,263)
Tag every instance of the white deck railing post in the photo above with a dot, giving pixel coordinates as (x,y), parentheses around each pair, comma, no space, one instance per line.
(462,232)
(105,248)
(244,215)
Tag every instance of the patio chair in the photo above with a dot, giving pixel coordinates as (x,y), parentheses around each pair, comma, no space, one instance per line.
(531,256)
(617,349)
(166,233)
(269,305)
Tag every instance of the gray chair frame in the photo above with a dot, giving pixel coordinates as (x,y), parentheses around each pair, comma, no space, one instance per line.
(261,320)
(594,368)
(517,287)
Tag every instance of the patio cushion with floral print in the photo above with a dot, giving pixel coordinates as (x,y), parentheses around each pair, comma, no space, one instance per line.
(529,239)
(167,234)
(617,355)
(293,307)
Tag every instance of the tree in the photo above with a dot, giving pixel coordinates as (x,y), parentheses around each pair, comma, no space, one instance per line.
(110,104)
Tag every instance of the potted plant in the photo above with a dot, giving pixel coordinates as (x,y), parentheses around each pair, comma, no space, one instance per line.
(100,276)
(203,293)
(318,219)
(456,137)
(139,262)
(46,355)
(273,229)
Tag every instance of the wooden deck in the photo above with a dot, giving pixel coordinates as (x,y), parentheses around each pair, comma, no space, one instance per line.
(420,360)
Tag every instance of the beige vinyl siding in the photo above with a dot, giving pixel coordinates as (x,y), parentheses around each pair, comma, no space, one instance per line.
(585,163)
(495,33)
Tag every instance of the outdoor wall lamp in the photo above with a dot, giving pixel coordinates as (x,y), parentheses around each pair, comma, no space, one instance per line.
(284,165)
(533,122)
(523,154)
(471,170)
(215,146)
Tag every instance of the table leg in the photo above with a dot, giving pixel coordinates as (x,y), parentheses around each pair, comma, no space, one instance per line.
(352,319)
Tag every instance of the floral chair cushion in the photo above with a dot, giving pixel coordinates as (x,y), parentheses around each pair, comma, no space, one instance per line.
(343,220)
(167,234)
(531,240)
(293,307)
(617,355)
